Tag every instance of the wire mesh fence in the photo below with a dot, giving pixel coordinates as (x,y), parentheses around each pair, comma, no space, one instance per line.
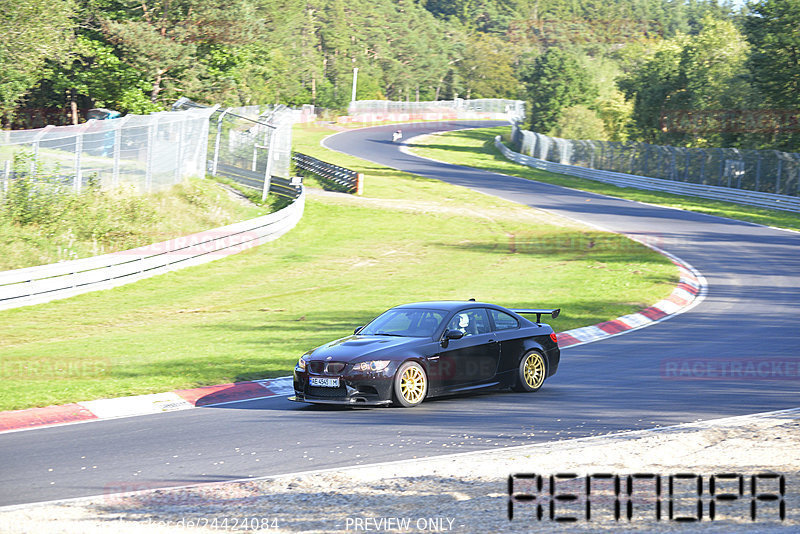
(437,110)
(151,152)
(147,152)
(767,171)
(250,145)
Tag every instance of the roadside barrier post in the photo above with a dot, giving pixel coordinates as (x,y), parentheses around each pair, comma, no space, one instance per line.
(359,184)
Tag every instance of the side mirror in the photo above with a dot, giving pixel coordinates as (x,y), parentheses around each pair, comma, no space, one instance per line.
(357,330)
(453,334)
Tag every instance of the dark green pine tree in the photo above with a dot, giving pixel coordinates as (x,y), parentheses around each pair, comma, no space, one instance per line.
(556,82)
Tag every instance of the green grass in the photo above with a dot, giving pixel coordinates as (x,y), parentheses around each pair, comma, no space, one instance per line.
(253,314)
(39,226)
(475,148)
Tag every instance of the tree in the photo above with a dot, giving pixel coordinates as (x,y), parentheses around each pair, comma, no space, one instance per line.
(707,71)
(33,31)
(556,81)
(651,85)
(773,31)
(486,68)
(580,122)
(164,37)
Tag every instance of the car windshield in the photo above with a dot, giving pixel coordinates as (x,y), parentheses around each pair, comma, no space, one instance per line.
(406,322)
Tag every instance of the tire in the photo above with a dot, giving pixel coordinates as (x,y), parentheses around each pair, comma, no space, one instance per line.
(531,372)
(410,385)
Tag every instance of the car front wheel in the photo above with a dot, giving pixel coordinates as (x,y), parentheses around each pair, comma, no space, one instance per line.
(531,372)
(410,384)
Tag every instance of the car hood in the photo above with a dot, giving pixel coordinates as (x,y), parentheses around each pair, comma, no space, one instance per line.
(357,347)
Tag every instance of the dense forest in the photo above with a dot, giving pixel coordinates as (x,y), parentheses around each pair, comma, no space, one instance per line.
(683,72)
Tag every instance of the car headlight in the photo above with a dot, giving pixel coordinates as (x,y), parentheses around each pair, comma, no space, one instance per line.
(374,365)
(301,364)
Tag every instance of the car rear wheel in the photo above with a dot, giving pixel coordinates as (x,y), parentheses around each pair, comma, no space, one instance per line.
(410,384)
(531,372)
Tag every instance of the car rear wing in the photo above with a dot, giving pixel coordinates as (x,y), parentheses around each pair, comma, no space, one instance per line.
(538,313)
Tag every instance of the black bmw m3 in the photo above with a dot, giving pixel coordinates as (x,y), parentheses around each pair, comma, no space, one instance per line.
(427,349)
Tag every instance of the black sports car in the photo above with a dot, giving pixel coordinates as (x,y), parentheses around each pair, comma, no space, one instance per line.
(427,349)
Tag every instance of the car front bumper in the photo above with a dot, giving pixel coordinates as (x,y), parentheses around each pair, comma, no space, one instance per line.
(346,401)
(367,389)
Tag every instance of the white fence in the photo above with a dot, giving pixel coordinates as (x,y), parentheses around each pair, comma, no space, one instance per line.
(765,171)
(739,196)
(35,285)
(148,152)
(458,109)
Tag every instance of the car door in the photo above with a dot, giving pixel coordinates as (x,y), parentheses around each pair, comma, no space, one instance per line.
(512,345)
(473,359)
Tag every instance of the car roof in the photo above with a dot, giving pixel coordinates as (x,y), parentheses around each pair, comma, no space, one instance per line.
(447,305)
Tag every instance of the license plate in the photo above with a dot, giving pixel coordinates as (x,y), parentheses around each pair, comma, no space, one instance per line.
(323,382)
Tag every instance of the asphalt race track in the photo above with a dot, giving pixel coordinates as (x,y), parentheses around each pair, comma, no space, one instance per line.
(750,314)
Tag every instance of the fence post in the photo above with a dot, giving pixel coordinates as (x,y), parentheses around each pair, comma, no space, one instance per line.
(152,132)
(797,159)
(758,172)
(179,150)
(36,139)
(78,181)
(268,170)
(215,161)
(778,174)
(117,148)
(702,166)
(686,158)
(6,176)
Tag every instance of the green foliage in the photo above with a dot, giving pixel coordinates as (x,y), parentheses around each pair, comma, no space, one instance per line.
(486,68)
(775,62)
(703,71)
(41,222)
(33,31)
(579,122)
(557,81)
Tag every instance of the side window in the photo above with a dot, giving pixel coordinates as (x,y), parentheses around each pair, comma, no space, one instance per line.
(503,321)
(470,322)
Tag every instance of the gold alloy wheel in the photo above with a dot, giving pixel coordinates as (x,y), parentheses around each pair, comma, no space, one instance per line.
(412,385)
(534,370)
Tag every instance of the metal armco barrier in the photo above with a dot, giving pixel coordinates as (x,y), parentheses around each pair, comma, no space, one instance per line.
(287,188)
(738,196)
(349,180)
(35,285)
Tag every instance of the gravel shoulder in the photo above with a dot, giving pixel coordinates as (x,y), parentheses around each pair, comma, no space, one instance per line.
(469,492)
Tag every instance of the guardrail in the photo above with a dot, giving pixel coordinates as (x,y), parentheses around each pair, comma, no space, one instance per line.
(35,285)
(349,180)
(287,188)
(738,196)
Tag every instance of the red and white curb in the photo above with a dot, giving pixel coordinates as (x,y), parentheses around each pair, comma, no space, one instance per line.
(182,399)
(689,291)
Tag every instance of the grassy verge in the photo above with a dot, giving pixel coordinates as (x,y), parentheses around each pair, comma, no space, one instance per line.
(40,226)
(251,315)
(475,148)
